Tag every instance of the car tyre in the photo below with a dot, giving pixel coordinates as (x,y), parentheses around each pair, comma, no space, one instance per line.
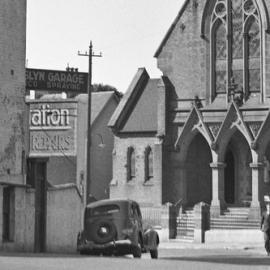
(154,253)
(83,252)
(137,251)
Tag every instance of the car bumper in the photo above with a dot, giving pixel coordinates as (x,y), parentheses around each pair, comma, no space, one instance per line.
(90,245)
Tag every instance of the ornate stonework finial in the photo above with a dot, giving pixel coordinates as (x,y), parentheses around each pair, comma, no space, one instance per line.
(231,89)
(236,92)
(214,146)
(197,102)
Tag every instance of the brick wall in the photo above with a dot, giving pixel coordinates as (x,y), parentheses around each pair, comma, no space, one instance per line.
(101,156)
(61,170)
(182,59)
(64,217)
(137,190)
(13,111)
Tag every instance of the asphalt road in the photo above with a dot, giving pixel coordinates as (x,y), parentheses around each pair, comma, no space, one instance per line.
(168,259)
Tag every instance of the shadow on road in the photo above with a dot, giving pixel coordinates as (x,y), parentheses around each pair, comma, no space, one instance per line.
(236,260)
(39,255)
(58,255)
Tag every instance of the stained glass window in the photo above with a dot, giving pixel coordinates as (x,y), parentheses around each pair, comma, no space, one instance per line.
(236,45)
(221,58)
(254,80)
(237,42)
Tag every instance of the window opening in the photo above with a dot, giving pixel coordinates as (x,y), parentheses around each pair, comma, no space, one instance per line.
(8,214)
(149,172)
(131,164)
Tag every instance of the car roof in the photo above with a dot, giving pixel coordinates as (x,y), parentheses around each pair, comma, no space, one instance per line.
(109,201)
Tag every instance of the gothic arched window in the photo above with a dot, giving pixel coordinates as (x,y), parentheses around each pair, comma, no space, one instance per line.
(148,158)
(130,164)
(219,57)
(252,47)
(235,47)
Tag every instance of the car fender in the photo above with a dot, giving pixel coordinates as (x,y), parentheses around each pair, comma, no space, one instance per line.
(151,239)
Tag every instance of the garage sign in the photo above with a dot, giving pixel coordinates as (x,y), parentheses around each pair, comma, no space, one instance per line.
(55,80)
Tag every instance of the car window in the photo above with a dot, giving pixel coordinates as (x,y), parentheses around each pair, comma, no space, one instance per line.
(138,211)
(135,211)
(131,210)
(105,209)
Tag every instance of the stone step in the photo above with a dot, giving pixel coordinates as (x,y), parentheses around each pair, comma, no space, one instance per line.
(241,214)
(185,238)
(234,216)
(186,215)
(185,219)
(240,226)
(233,211)
(234,225)
(228,227)
(183,230)
(246,209)
(185,233)
(236,220)
(186,224)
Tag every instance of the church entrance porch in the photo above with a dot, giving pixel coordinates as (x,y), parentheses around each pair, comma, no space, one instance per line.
(237,172)
(198,172)
(232,175)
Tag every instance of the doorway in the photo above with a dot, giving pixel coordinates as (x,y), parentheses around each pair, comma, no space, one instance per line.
(37,178)
(198,171)
(229,178)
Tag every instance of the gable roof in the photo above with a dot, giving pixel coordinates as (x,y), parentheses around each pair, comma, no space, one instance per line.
(167,35)
(137,111)
(98,102)
(143,118)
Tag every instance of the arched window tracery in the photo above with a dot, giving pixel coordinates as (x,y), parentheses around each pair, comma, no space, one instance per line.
(235,47)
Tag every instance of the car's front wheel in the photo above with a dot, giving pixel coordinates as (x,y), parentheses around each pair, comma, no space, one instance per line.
(137,251)
(154,253)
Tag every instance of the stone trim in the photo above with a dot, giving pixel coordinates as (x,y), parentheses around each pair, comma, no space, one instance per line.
(218,165)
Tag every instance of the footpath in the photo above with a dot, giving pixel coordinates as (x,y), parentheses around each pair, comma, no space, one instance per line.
(178,244)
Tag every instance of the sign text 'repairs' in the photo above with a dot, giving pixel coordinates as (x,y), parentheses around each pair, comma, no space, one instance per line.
(52,128)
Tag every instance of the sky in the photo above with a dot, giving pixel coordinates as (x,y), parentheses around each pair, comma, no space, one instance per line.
(126,32)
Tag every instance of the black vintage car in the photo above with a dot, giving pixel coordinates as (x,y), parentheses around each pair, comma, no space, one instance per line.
(116,227)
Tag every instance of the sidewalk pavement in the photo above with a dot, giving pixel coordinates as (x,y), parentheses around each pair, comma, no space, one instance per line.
(180,244)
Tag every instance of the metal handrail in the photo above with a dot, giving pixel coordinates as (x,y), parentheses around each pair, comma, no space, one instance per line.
(178,202)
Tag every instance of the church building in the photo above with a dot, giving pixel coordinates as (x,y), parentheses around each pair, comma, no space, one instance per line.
(198,138)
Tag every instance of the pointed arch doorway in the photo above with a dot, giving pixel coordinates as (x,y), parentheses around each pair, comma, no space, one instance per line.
(229,185)
(198,172)
(237,173)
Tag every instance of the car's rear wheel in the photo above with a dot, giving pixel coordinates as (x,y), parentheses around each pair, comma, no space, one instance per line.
(154,253)
(83,252)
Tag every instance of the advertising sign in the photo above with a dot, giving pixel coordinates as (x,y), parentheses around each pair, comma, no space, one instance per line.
(52,129)
(55,80)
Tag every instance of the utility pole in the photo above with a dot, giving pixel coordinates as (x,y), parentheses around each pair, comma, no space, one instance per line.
(90,54)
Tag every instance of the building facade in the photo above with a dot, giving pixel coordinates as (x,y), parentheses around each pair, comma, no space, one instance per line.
(209,136)
(13,117)
(57,163)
